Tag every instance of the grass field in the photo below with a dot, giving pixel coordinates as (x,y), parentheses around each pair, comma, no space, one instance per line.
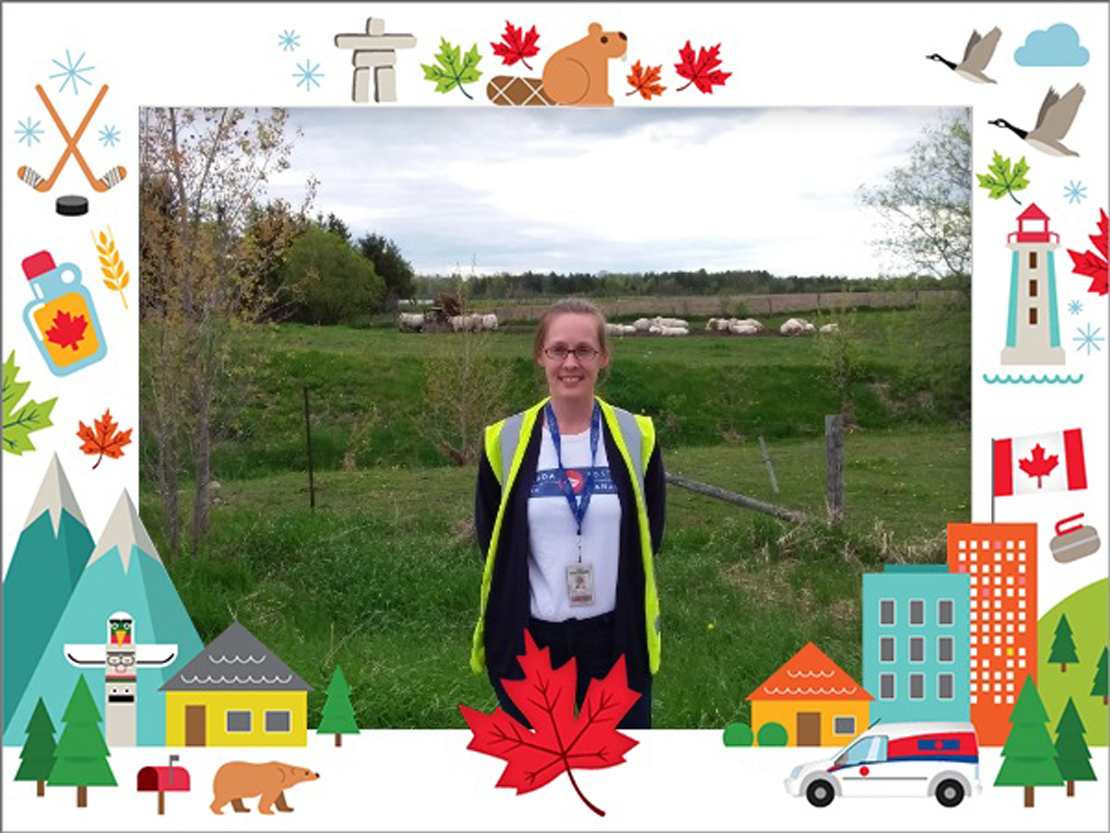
(383,577)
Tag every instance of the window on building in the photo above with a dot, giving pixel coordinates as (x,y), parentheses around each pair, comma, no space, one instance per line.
(917,611)
(886,686)
(1032,289)
(946,647)
(886,649)
(1032,316)
(946,612)
(886,612)
(917,649)
(238,721)
(278,722)
(1032,260)
(917,686)
(844,726)
(945,687)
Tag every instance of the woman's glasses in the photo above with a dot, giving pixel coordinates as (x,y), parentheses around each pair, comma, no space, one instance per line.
(583,353)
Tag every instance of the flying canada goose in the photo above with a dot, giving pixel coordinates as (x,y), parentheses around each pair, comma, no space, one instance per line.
(1053,121)
(977,55)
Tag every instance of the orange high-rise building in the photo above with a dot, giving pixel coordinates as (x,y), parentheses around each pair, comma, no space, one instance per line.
(1001,561)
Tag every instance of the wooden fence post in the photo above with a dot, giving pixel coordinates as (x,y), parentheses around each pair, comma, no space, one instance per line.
(834,466)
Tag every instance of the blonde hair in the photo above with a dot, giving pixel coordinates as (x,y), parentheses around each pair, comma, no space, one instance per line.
(579,306)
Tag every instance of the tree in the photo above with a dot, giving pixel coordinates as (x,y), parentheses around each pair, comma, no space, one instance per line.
(1098,688)
(1029,756)
(338,716)
(81,759)
(1063,646)
(389,263)
(334,225)
(330,280)
(1073,758)
(925,204)
(38,751)
(204,173)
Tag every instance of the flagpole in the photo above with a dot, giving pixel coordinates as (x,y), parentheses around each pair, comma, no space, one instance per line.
(993,485)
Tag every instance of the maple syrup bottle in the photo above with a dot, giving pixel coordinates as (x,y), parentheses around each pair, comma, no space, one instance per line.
(62,318)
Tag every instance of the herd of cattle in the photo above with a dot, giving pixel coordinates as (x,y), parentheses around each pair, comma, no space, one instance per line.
(414,322)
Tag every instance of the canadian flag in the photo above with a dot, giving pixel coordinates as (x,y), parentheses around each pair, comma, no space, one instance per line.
(1041,463)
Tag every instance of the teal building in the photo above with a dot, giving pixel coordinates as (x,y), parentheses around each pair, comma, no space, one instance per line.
(917,643)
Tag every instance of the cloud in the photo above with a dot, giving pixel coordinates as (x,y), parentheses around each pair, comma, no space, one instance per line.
(567,190)
(1057,46)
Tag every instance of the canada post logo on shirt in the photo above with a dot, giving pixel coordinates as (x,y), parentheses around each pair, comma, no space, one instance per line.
(547,482)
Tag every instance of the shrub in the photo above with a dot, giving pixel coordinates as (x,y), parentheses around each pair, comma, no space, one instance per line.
(772,734)
(738,734)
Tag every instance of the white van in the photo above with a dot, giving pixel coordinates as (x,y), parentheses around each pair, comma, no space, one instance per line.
(896,759)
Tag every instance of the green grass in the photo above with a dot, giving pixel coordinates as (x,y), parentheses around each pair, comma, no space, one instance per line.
(383,577)
(367,387)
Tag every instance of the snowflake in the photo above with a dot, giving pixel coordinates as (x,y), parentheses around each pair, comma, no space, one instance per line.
(1088,340)
(1075,192)
(1075,307)
(28,132)
(71,72)
(109,136)
(308,75)
(289,40)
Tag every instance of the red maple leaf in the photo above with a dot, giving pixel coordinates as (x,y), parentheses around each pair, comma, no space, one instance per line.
(68,331)
(1089,263)
(1038,465)
(701,69)
(516,45)
(559,740)
(646,83)
(105,441)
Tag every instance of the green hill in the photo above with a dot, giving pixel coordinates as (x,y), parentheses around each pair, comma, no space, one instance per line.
(1086,610)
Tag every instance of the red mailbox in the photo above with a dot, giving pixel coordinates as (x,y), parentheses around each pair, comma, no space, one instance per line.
(163,779)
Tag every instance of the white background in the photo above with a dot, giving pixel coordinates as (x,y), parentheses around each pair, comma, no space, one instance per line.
(788,54)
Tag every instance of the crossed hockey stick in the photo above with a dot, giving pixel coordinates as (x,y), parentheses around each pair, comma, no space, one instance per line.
(44,184)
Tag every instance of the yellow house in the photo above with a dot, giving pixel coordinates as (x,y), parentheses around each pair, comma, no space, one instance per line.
(813,699)
(236,692)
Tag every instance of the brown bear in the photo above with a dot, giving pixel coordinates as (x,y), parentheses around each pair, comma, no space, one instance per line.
(238,780)
(578,74)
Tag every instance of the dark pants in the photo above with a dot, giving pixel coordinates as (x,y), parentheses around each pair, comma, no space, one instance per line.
(590,642)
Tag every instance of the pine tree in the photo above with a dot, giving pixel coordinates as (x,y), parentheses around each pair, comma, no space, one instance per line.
(1072,755)
(1099,686)
(1063,646)
(81,759)
(338,716)
(38,751)
(1029,756)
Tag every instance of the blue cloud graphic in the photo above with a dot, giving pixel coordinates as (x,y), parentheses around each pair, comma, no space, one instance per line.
(1057,46)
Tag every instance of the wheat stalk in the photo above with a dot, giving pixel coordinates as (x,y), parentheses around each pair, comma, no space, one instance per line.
(116,277)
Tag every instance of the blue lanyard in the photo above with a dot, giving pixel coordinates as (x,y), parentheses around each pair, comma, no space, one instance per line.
(577,507)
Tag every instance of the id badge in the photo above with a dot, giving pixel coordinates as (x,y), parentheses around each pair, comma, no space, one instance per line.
(580,585)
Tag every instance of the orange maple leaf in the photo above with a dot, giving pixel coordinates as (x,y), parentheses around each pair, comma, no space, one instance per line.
(645,83)
(105,441)
(1038,465)
(68,330)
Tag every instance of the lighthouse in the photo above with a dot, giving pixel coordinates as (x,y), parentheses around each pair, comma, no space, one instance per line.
(1033,326)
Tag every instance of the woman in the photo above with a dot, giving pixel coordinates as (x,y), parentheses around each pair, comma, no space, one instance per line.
(569,510)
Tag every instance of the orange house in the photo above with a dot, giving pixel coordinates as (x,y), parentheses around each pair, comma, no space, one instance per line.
(813,699)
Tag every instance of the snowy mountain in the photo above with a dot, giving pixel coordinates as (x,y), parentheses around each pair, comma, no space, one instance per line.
(49,557)
(123,574)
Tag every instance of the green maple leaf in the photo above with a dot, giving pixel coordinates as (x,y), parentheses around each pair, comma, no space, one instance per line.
(450,71)
(1004,180)
(31,416)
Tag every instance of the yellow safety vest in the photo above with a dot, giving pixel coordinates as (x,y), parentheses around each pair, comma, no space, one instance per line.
(505,444)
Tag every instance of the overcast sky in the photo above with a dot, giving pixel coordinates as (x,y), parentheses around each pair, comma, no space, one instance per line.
(632,189)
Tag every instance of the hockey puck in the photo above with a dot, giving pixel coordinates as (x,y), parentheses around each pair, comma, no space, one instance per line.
(71,206)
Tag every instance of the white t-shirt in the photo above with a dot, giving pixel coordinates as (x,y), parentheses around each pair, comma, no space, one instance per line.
(553,533)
